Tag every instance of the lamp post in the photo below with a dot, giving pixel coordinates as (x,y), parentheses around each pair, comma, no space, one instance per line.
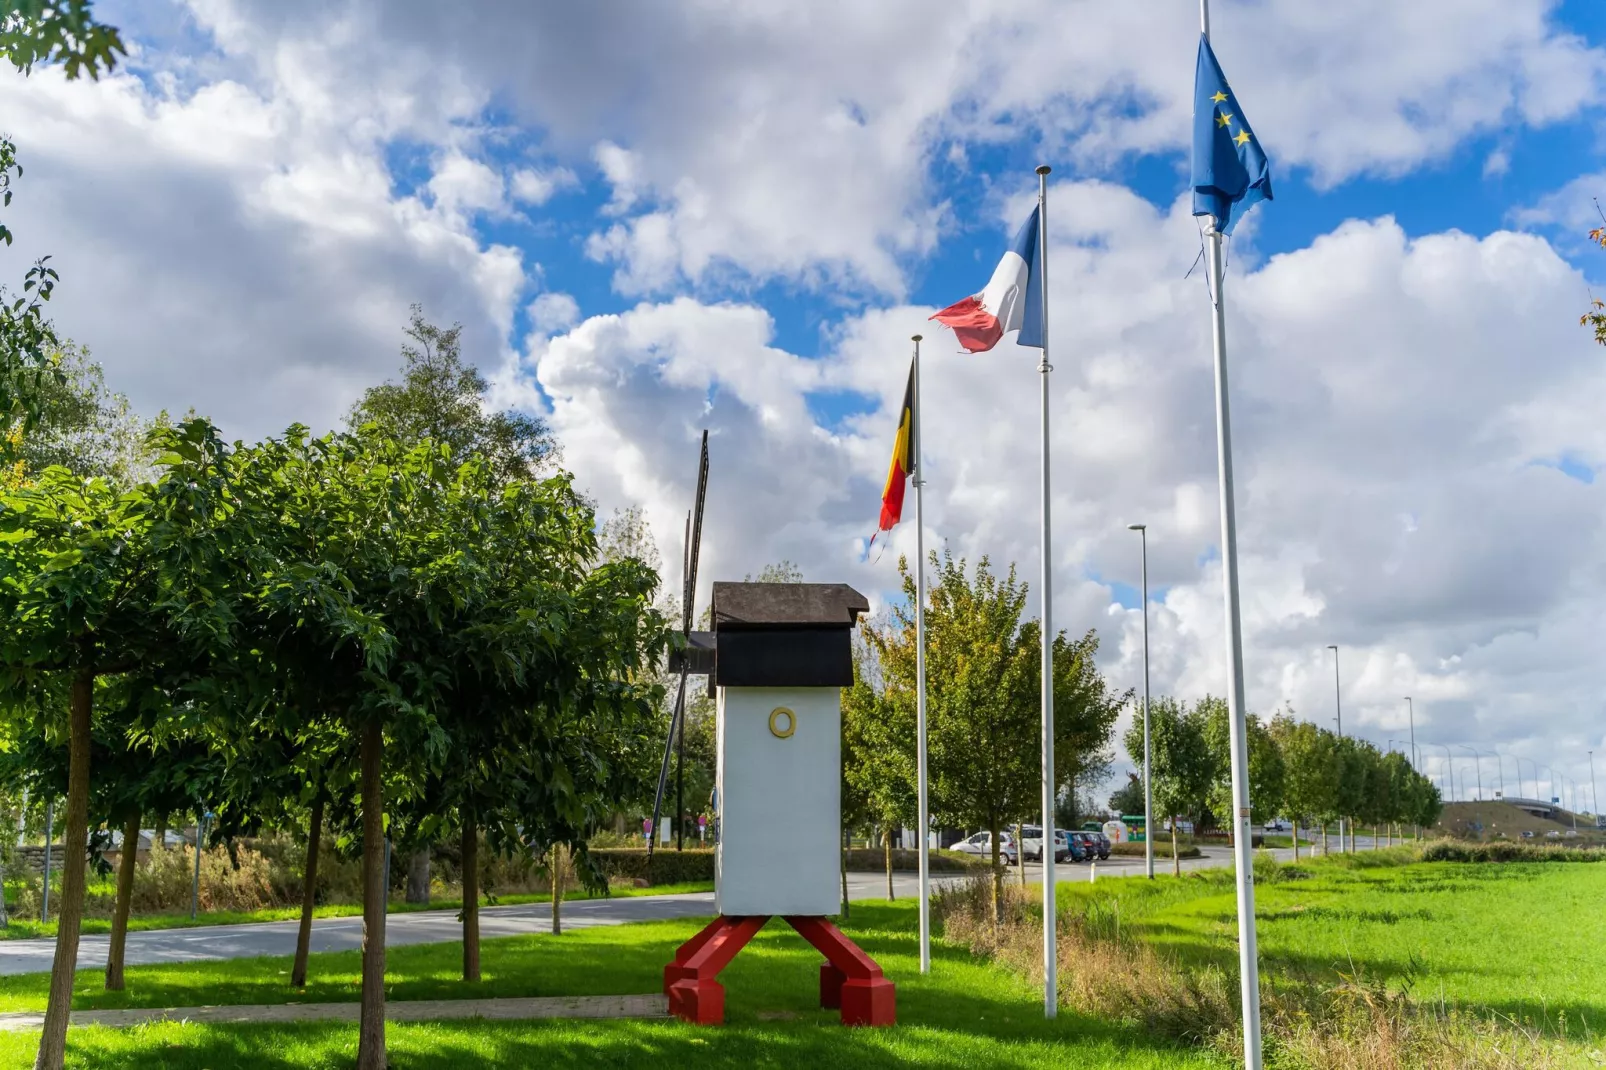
(1148,790)
(1536,776)
(1338,718)
(1500,762)
(1477,764)
(1410,712)
(1594,799)
(1450,762)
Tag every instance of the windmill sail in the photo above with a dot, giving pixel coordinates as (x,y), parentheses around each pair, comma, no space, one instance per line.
(677,725)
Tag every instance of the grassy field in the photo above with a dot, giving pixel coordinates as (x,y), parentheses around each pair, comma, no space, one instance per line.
(27,929)
(1525,942)
(969,1013)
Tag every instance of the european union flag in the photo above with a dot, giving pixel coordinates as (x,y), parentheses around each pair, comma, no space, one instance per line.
(1229,167)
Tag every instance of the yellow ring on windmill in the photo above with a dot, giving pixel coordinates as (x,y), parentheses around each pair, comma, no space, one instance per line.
(776,715)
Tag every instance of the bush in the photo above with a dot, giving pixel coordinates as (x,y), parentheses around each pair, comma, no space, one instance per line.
(1507,851)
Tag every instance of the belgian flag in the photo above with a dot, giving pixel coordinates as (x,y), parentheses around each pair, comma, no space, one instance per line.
(903,460)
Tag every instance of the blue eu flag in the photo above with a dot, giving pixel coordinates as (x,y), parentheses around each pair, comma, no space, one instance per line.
(1229,168)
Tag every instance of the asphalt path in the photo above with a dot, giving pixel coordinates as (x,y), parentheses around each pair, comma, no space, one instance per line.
(217,942)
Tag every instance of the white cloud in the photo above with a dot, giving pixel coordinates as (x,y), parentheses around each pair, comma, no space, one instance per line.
(554,312)
(461,184)
(1386,497)
(533,186)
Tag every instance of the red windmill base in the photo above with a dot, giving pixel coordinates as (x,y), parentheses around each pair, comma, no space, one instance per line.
(849,979)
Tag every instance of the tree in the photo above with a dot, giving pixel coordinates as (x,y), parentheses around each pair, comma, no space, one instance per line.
(442,400)
(1266,765)
(58,31)
(98,583)
(1180,763)
(1128,798)
(983,697)
(1310,782)
(878,761)
(77,423)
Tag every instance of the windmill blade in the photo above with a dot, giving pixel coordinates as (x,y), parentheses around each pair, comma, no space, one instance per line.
(694,528)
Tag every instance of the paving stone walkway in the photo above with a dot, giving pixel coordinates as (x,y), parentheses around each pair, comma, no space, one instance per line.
(644,1006)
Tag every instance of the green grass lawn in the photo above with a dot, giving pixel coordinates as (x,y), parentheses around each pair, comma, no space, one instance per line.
(967,1013)
(1526,940)
(23,929)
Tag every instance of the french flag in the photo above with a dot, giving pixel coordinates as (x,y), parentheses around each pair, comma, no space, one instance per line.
(1012,301)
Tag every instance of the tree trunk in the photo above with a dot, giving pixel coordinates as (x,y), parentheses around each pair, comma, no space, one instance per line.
(886,842)
(998,882)
(418,876)
(1176,859)
(471,899)
(309,895)
(75,840)
(371,1030)
(125,892)
(159,831)
(1020,845)
(557,889)
(842,859)
(1352,836)
(1296,839)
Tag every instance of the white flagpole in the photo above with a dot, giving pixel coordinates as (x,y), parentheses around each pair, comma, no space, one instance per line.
(1050,919)
(1248,957)
(924,825)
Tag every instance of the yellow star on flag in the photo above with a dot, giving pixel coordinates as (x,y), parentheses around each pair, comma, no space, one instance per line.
(1223,119)
(1218,98)
(1242,138)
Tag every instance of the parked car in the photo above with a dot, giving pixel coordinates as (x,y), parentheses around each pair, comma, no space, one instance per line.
(981,845)
(1032,842)
(1104,844)
(1528,834)
(1088,842)
(1068,849)
(1276,824)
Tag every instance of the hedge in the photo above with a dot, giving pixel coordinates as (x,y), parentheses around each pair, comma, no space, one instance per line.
(907,860)
(1162,849)
(1452,851)
(668,865)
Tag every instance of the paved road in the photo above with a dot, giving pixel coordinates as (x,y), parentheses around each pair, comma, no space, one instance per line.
(215,942)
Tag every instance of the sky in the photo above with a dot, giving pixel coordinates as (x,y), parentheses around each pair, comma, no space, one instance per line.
(653,219)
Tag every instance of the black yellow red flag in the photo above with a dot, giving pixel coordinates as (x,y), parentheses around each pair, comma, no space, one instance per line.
(903,461)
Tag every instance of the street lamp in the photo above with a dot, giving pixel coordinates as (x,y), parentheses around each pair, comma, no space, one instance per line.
(1594,799)
(1148,792)
(1338,718)
(1477,764)
(1410,712)
(1501,760)
(1535,765)
(1450,760)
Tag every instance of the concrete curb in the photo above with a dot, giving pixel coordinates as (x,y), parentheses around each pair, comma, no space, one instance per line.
(654,1005)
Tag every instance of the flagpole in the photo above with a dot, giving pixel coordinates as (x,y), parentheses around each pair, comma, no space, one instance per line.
(1050,917)
(920,674)
(1243,872)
